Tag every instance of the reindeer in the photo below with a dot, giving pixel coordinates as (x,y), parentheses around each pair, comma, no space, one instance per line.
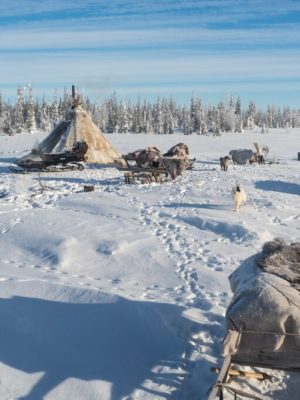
(174,165)
(259,158)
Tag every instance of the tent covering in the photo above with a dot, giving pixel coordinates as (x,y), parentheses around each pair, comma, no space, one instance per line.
(263,318)
(79,127)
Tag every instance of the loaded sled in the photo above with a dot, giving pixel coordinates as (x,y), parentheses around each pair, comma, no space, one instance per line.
(263,318)
(51,162)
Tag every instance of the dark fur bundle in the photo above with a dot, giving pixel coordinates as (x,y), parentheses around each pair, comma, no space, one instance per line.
(180,150)
(279,258)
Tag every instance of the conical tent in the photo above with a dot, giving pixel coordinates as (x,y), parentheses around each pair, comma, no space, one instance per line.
(79,127)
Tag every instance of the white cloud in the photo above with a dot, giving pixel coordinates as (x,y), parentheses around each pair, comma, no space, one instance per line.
(133,45)
(110,39)
(144,67)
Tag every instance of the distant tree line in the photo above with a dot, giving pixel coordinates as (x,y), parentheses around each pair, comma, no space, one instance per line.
(162,117)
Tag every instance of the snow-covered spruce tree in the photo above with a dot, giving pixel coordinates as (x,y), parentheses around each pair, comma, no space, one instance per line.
(210,119)
(270,114)
(286,118)
(44,116)
(158,118)
(144,117)
(124,125)
(217,131)
(5,118)
(295,119)
(167,117)
(238,116)
(149,120)
(1,105)
(213,121)
(6,122)
(251,115)
(194,112)
(221,110)
(112,106)
(54,110)
(65,104)
(30,112)
(19,121)
(174,112)
(137,118)
(187,121)
(229,117)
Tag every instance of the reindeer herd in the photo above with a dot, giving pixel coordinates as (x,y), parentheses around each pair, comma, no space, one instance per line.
(244,156)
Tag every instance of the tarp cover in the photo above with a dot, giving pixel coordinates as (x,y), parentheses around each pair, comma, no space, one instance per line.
(263,319)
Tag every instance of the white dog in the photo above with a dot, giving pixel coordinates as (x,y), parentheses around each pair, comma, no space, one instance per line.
(239,196)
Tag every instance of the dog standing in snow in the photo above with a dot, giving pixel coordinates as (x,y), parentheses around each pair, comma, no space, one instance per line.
(239,196)
(224,162)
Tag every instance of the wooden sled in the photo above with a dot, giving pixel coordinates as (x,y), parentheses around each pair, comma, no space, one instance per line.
(143,175)
(226,373)
(134,174)
(271,360)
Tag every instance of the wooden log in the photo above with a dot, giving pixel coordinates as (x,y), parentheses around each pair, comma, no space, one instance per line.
(88,188)
(246,374)
(221,378)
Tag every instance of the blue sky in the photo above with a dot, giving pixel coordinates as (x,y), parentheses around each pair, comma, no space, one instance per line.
(212,48)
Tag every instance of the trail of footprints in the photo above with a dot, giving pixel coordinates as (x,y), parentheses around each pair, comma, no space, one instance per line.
(49,273)
(5,228)
(185,252)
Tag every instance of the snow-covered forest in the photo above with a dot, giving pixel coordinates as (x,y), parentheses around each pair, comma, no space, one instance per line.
(114,115)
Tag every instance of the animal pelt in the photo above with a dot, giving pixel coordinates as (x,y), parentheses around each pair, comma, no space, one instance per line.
(149,157)
(134,154)
(174,166)
(281,259)
(224,162)
(239,196)
(180,150)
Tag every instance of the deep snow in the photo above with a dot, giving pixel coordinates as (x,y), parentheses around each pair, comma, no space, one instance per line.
(121,293)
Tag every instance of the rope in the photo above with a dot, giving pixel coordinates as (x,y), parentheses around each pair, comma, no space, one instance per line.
(270,333)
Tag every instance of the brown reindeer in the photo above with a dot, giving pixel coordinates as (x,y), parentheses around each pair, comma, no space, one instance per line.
(259,158)
(174,166)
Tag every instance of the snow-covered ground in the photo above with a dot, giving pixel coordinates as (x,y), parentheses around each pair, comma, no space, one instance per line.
(121,293)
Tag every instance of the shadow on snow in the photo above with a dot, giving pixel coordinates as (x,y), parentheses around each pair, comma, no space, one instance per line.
(279,186)
(118,341)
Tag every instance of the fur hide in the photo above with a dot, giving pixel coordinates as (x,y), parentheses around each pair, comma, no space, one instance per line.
(279,258)
(149,157)
(180,150)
